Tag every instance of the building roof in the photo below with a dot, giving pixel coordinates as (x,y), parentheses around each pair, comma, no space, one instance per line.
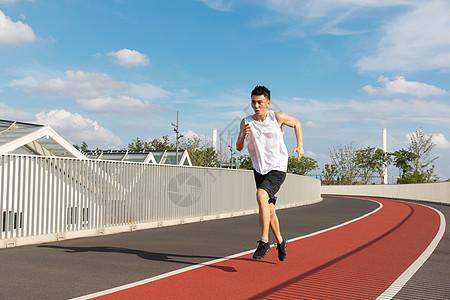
(34,139)
(167,157)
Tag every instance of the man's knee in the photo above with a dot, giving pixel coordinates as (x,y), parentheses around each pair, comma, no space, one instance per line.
(272,210)
(262,196)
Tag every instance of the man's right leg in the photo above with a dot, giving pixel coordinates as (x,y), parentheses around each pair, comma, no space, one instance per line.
(264,212)
(264,219)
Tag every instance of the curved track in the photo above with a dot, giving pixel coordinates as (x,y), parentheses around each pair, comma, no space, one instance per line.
(341,248)
(360,259)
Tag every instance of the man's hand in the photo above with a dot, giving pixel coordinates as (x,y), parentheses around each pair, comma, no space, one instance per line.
(247,131)
(243,134)
(300,152)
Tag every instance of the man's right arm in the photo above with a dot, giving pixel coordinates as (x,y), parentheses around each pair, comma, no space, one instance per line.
(243,133)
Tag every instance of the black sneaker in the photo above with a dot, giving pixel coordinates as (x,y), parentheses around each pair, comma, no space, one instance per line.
(262,250)
(281,248)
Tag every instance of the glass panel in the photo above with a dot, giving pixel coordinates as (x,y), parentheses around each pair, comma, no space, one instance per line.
(136,157)
(158,155)
(171,157)
(112,156)
(92,155)
(22,150)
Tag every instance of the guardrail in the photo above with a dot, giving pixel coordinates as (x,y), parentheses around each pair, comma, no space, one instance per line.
(432,192)
(49,198)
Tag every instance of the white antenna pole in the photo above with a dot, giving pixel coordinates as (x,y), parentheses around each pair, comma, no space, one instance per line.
(385,175)
(215,139)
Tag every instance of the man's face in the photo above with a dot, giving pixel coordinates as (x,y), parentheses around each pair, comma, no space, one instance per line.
(260,104)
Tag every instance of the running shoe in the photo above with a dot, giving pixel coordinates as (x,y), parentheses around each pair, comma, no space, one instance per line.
(281,248)
(262,250)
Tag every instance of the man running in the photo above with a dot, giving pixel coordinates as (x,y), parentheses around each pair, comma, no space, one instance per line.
(269,157)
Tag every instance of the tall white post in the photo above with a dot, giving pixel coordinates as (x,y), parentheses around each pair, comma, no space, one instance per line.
(385,175)
(215,139)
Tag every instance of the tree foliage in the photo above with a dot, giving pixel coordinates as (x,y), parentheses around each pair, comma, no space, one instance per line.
(161,143)
(343,158)
(245,162)
(83,147)
(350,165)
(302,167)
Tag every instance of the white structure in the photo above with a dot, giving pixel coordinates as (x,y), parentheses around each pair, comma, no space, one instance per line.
(34,139)
(163,157)
(385,175)
(214,139)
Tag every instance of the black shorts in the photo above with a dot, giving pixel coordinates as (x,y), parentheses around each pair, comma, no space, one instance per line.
(271,183)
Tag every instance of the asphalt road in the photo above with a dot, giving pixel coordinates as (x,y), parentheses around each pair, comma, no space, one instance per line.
(72,268)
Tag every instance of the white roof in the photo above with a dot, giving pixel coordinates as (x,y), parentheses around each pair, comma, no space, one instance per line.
(34,139)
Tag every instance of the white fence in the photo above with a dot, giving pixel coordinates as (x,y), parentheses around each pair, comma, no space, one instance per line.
(432,192)
(47,198)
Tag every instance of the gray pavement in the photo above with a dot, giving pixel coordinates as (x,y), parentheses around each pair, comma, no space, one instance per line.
(71,268)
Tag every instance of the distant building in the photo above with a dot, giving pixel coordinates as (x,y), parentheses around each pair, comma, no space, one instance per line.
(164,157)
(34,139)
(42,140)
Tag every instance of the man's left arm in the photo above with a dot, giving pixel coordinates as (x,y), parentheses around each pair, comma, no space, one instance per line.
(284,119)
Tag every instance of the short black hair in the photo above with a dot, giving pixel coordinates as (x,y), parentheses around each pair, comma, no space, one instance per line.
(261,90)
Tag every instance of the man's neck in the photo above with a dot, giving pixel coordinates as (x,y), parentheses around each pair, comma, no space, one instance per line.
(261,116)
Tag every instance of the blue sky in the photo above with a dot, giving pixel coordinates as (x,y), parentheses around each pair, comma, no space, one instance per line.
(105,71)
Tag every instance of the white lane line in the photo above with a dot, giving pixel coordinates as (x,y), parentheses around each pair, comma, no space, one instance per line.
(398,284)
(179,271)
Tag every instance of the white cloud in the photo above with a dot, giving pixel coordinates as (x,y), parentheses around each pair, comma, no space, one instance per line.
(312,124)
(440,141)
(81,85)
(221,5)
(321,17)
(76,129)
(71,126)
(129,58)
(401,86)
(14,114)
(149,91)
(375,111)
(415,41)
(26,82)
(14,32)
(118,104)
(100,93)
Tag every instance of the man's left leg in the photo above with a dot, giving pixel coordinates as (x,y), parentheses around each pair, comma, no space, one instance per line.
(275,224)
(275,227)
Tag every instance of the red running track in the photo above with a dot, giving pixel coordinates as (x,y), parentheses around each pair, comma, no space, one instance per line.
(358,260)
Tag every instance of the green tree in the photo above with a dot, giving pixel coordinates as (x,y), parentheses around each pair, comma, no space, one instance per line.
(138,145)
(211,159)
(330,174)
(162,143)
(84,147)
(158,144)
(344,159)
(422,145)
(245,162)
(371,161)
(404,160)
(302,167)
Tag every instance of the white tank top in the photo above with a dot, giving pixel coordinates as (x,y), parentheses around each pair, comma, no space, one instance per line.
(265,145)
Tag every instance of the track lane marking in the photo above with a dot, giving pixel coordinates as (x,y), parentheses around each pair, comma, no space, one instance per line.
(328,262)
(186,269)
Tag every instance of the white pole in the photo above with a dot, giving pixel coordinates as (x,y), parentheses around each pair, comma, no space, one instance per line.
(215,139)
(385,175)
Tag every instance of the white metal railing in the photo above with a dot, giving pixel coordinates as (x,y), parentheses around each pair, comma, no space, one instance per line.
(51,195)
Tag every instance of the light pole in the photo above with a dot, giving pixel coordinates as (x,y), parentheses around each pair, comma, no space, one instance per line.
(179,136)
(231,152)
